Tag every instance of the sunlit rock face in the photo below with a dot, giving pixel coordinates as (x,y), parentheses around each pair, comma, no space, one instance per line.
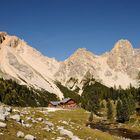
(125,58)
(120,66)
(120,56)
(27,66)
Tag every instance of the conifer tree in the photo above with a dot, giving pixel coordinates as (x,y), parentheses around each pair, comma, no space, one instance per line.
(95,102)
(102,105)
(131,103)
(123,111)
(109,110)
(118,110)
(90,119)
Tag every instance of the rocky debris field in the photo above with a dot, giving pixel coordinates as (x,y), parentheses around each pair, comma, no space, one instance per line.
(46,124)
(30,124)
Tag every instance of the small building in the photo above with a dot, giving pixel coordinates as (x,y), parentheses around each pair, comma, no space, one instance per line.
(65,103)
(54,104)
(68,103)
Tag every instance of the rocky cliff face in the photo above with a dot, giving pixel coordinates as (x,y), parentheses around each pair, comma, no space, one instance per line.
(125,58)
(26,65)
(121,55)
(75,69)
(23,63)
(120,66)
(2,36)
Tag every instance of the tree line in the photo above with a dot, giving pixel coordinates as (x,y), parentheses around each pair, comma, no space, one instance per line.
(11,93)
(125,101)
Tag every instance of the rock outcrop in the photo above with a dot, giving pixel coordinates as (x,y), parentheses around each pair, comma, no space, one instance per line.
(26,65)
(124,58)
(2,36)
(120,66)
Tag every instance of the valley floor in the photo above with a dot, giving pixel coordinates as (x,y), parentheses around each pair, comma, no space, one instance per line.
(50,124)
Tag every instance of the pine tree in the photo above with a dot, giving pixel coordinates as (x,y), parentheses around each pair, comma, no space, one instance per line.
(109,110)
(90,119)
(123,111)
(119,110)
(102,105)
(95,102)
(131,103)
(120,88)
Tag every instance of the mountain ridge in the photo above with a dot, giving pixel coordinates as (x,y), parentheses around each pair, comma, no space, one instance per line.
(25,63)
(120,66)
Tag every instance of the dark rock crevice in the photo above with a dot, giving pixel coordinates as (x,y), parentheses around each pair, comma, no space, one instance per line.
(2,37)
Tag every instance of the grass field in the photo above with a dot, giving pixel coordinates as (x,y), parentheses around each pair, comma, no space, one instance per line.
(72,120)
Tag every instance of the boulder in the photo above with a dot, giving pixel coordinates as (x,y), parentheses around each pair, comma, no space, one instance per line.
(4,112)
(29,137)
(47,128)
(20,134)
(2,117)
(15,117)
(27,125)
(39,119)
(50,124)
(8,109)
(2,125)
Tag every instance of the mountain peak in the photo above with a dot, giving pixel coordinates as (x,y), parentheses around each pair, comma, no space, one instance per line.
(122,44)
(82,53)
(81,50)
(3,33)
(2,36)
(11,41)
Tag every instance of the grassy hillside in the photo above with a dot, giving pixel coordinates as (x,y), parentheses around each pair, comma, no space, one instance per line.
(72,120)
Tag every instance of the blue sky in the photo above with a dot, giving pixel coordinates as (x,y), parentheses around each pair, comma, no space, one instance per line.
(59,27)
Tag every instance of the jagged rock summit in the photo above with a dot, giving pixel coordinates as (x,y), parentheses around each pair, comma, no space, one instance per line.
(2,36)
(125,58)
(121,45)
(120,66)
(27,66)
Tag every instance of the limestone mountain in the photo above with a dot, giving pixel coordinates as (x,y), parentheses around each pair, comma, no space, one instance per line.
(27,66)
(120,66)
